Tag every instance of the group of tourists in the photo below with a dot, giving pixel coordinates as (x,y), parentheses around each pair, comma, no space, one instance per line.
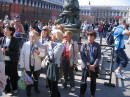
(52,48)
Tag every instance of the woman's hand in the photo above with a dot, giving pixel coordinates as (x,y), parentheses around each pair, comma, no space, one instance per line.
(92,68)
(23,69)
(51,43)
(74,65)
(4,50)
(37,51)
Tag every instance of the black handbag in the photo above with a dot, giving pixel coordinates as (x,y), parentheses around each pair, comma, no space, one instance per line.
(52,70)
(83,86)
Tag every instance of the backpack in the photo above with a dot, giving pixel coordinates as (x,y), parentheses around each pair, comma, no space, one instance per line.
(100,28)
(110,39)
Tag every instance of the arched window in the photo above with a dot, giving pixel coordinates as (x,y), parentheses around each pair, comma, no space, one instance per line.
(48,6)
(33,3)
(21,1)
(52,6)
(25,2)
(16,2)
(39,4)
(36,4)
(125,14)
(43,5)
(29,3)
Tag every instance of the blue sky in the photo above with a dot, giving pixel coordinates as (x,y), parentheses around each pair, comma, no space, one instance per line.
(106,2)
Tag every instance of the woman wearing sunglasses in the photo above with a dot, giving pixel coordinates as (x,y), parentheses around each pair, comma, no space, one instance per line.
(45,34)
(69,60)
(45,38)
(90,55)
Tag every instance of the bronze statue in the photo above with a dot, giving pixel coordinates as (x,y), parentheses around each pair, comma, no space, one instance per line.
(70,16)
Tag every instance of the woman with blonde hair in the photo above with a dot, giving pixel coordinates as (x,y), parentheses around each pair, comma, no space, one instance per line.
(45,38)
(45,35)
(54,53)
(61,28)
(55,50)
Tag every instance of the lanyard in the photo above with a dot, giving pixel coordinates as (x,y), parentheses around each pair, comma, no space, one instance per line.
(44,39)
(32,48)
(54,44)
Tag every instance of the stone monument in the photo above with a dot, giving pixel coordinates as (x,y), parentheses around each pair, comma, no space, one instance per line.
(70,17)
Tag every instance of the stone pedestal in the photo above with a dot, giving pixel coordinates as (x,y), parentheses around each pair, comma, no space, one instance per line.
(70,18)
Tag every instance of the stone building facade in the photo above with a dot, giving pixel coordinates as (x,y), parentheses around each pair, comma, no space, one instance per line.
(106,13)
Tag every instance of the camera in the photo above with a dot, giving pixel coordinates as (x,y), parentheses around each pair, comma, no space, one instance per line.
(127,26)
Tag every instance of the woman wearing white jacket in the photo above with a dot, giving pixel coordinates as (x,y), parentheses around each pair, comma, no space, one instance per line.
(30,61)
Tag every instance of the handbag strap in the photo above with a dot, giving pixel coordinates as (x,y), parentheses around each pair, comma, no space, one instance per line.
(52,55)
(88,50)
(31,47)
(73,51)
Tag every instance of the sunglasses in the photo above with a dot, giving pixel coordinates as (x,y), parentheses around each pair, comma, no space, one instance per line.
(90,34)
(44,29)
(65,36)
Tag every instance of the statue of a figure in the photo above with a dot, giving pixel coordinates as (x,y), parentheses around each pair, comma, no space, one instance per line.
(70,16)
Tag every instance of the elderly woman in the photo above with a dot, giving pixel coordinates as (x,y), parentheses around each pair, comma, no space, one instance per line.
(90,55)
(30,61)
(69,59)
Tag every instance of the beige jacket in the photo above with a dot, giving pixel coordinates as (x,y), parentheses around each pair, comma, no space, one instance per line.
(73,52)
(25,57)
